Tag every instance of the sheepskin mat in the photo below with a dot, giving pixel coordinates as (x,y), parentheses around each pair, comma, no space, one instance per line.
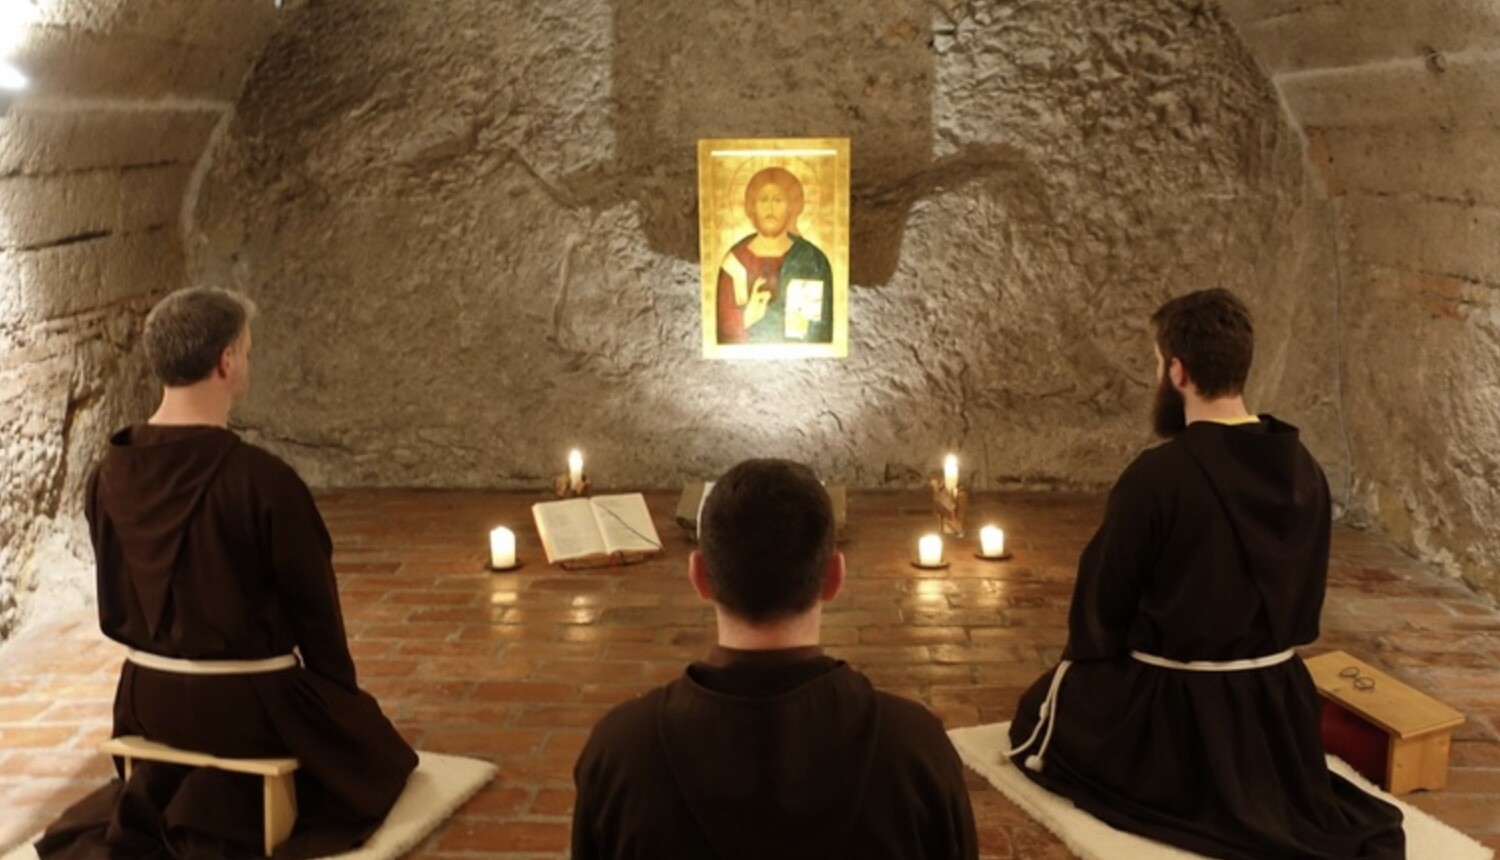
(435,790)
(1091,839)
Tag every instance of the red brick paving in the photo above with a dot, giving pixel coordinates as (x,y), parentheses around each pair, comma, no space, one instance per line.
(516,667)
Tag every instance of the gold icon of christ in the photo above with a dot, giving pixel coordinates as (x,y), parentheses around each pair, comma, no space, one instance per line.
(774,242)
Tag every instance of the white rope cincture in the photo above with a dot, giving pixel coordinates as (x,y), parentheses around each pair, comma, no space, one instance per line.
(1214,665)
(1047,714)
(1046,717)
(211,667)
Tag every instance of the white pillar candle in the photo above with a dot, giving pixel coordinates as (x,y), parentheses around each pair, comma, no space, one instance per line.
(991,541)
(502,548)
(930,550)
(575,468)
(950,473)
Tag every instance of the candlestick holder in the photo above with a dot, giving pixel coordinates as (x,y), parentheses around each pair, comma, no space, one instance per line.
(950,507)
(564,488)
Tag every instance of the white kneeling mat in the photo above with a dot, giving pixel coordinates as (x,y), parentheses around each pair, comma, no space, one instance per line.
(1091,839)
(435,790)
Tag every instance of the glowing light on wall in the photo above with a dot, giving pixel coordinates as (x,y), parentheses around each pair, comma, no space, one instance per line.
(15,17)
(12,78)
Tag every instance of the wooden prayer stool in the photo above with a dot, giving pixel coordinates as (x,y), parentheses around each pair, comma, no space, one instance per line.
(280,787)
(1414,729)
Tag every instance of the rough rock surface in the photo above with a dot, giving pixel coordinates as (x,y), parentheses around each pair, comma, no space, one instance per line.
(1402,114)
(88,239)
(60,395)
(472,233)
(97,159)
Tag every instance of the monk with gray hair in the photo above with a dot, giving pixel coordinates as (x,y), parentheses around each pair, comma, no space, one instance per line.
(215,571)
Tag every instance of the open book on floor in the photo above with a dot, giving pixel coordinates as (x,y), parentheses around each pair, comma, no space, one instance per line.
(596,531)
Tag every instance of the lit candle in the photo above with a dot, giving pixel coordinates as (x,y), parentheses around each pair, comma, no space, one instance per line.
(930,550)
(991,541)
(575,468)
(950,473)
(502,548)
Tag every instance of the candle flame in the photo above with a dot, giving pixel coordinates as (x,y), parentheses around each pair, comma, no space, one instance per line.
(950,473)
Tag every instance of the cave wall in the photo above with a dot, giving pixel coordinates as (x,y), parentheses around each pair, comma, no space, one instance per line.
(472,234)
(97,160)
(1402,116)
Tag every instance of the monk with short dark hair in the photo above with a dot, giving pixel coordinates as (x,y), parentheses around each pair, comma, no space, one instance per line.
(214,568)
(769,748)
(1180,710)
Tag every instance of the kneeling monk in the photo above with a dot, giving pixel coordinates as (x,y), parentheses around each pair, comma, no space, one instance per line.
(1180,710)
(214,568)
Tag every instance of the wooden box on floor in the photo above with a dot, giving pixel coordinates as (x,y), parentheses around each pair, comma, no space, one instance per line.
(1417,728)
(280,787)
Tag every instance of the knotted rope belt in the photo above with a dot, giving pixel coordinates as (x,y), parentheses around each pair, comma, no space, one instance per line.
(211,667)
(1047,714)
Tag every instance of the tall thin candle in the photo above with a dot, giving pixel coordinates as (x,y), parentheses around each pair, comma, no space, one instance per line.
(575,468)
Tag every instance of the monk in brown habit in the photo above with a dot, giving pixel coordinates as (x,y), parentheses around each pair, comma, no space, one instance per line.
(1179,710)
(214,569)
(769,748)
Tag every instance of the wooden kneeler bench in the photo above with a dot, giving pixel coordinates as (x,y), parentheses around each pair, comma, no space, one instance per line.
(1417,728)
(280,787)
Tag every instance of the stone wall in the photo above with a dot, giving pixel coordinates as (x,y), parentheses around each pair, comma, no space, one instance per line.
(472,232)
(1402,114)
(97,159)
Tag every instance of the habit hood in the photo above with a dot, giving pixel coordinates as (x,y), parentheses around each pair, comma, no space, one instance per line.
(1276,498)
(152,487)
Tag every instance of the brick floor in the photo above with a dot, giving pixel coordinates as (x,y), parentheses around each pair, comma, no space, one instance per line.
(516,667)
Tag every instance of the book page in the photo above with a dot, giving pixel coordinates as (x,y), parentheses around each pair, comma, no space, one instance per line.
(567,529)
(625,523)
(804,304)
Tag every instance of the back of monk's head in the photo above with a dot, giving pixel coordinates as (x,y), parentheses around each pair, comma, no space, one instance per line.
(766,535)
(1210,332)
(188,330)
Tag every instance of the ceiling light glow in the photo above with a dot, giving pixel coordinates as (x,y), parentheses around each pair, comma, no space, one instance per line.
(12,78)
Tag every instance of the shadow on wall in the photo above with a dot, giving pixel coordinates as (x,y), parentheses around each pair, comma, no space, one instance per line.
(474,236)
(685,70)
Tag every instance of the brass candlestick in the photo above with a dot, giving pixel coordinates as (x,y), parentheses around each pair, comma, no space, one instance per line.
(563,486)
(950,507)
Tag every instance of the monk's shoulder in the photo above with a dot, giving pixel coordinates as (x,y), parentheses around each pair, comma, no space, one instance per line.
(254,466)
(909,719)
(624,732)
(1162,467)
(913,743)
